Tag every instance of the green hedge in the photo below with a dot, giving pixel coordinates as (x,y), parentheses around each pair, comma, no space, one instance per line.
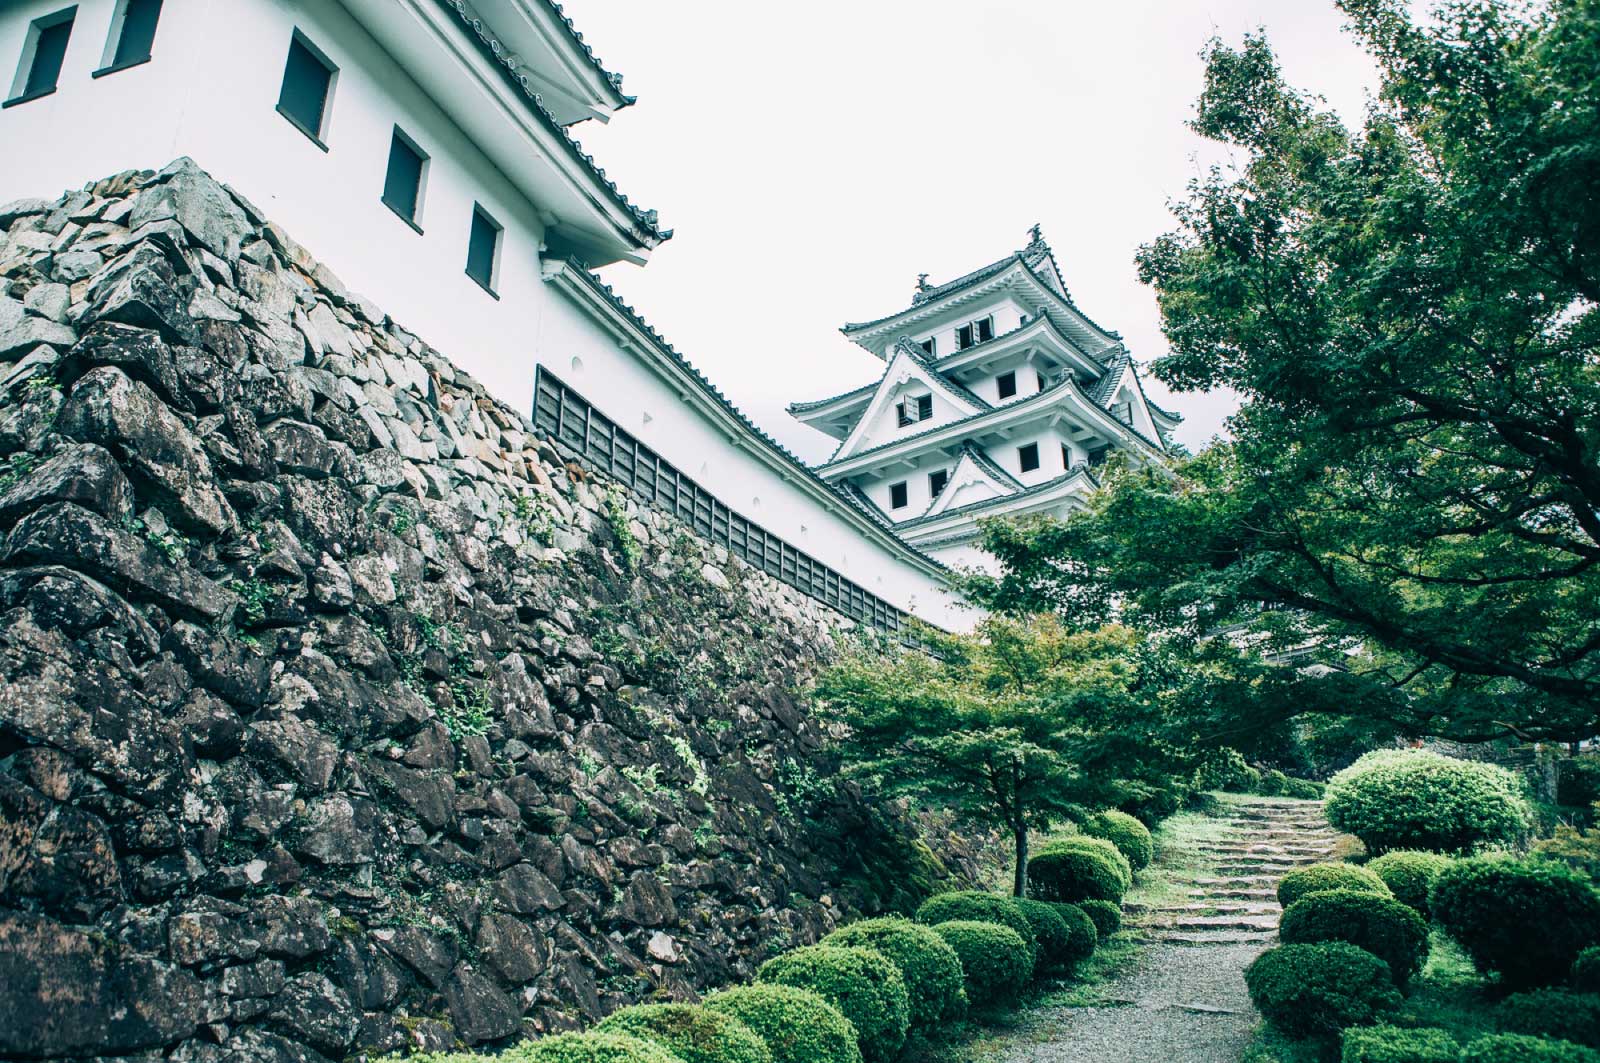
(798,1025)
(1321,877)
(592,1047)
(977,906)
(1063,871)
(1065,935)
(930,967)
(693,1033)
(1527,921)
(1105,915)
(864,985)
(1558,1013)
(1409,875)
(1131,837)
(994,960)
(1319,990)
(1519,1048)
(1392,1044)
(1411,799)
(1586,970)
(1383,926)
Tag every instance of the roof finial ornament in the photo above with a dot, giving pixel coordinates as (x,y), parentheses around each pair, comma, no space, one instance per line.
(922,282)
(1036,234)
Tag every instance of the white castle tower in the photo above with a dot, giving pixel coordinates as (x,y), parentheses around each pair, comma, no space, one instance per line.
(999,397)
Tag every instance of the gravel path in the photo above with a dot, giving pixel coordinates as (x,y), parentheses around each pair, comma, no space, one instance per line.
(1184,1001)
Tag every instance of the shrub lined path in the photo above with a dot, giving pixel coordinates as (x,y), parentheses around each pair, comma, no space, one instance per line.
(1184,1000)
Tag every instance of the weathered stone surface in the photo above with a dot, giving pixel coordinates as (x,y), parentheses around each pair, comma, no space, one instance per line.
(480,1010)
(86,475)
(67,993)
(29,332)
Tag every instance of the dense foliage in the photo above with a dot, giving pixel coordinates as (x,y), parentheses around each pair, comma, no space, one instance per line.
(978,906)
(593,1047)
(1021,725)
(1319,877)
(995,960)
(1315,991)
(1410,311)
(1394,1044)
(1526,921)
(930,967)
(1383,926)
(1586,970)
(1062,871)
(1520,1048)
(1065,935)
(1558,1013)
(1412,799)
(1131,837)
(1105,915)
(1409,875)
(692,1033)
(798,1025)
(863,984)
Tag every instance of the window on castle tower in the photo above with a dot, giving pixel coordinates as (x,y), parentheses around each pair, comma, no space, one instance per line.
(483,249)
(1066,456)
(974,332)
(910,411)
(42,55)
(133,33)
(402,184)
(1007,383)
(308,78)
(1028,457)
(937,481)
(897,495)
(929,345)
(1123,411)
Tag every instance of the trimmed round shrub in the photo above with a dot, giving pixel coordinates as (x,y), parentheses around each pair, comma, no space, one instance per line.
(1528,921)
(591,1047)
(1409,875)
(1105,847)
(1131,837)
(863,984)
(1105,915)
(1393,1044)
(693,1033)
(1319,878)
(1412,799)
(1558,1013)
(1520,1048)
(1065,935)
(1383,926)
(1303,789)
(1586,970)
(1070,873)
(930,967)
(994,960)
(1315,991)
(798,1025)
(978,906)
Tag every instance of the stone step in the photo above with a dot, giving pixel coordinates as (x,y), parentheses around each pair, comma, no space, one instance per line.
(1236,895)
(1226,908)
(1267,924)
(1240,882)
(1199,940)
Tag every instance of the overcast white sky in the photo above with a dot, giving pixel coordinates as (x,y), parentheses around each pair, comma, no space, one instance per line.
(814,158)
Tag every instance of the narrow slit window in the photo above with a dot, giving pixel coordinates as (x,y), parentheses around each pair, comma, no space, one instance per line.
(42,55)
(937,481)
(897,495)
(1007,384)
(1028,457)
(403,183)
(1040,377)
(964,337)
(1066,456)
(133,35)
(483,249)
(901,417)
(308,78)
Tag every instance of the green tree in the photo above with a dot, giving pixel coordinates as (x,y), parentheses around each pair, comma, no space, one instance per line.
(1409,312)
(1019,725)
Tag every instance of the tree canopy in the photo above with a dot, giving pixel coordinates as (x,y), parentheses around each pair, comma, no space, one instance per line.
(1409,312)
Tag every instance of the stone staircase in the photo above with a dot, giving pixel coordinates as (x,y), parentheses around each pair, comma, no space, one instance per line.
(1233,899)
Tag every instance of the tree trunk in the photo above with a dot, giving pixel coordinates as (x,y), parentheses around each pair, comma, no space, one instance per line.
(1019,885)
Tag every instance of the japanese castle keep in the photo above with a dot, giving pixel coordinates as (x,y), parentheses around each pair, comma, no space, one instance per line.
(999,397)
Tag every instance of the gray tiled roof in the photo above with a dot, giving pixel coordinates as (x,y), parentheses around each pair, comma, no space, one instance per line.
(612,78)
(1023,493)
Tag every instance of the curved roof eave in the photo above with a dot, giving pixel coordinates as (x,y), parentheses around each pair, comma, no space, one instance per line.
(611,80)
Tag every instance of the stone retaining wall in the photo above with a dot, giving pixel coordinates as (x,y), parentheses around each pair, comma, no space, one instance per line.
(337,713)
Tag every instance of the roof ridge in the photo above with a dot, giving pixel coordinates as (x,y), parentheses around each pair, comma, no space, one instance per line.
(613,78)
(989,465)
(1038,488)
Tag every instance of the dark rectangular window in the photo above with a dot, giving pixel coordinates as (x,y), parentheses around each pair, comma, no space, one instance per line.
(1007,383)
(936,481)
(402,184)
(929,345)
(924,407)
(985,328)
(1040,377)
(1123,411)
(1028,457)
(307,86)
(1066,456)
(42,56)
(901,417)
(134,29)
(483,249)
(963,337)
(897,495)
